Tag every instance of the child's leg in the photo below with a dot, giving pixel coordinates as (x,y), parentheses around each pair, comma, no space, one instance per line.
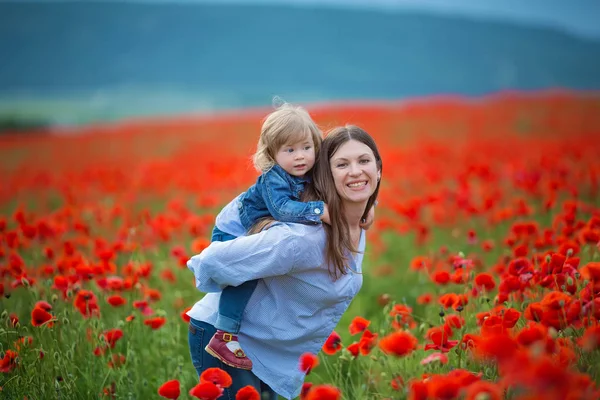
(232,304)
(233,298)
(224,344)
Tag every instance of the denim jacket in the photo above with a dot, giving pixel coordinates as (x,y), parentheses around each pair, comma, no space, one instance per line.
(277,193)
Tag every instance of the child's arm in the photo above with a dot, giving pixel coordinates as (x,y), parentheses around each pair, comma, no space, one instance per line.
(278,199)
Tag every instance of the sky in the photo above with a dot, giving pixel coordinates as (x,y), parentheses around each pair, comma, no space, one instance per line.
(577,16)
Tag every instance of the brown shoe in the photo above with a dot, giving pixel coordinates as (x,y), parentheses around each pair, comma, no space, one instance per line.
(217,347)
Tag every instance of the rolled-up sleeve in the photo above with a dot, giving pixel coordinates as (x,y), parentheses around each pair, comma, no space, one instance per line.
(269,253)
(278,199)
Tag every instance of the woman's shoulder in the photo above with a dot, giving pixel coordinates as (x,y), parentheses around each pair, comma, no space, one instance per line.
(312,232)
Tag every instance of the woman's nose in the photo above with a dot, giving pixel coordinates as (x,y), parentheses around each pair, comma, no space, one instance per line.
(354,169)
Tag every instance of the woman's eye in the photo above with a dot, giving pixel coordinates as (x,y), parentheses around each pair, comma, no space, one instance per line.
(342,165)
(365,161)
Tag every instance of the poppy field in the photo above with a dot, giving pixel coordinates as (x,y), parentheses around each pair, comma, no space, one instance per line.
(482,272)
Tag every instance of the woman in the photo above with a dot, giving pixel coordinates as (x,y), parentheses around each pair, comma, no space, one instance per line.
(308,275)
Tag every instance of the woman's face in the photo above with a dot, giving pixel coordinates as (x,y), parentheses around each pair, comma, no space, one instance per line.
(354,171)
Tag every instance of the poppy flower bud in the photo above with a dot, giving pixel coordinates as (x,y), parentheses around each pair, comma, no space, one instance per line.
(54,298)
(569,252)
(4,314)
(442,313)
(25,282)
(66,321)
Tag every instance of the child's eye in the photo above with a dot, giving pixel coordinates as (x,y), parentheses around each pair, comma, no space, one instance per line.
(307,148)
(289,150)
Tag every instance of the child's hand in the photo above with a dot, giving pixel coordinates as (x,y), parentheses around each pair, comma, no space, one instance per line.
(325,215)
(366,224)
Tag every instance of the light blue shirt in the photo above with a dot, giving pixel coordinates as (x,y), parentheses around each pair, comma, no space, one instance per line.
(296,304)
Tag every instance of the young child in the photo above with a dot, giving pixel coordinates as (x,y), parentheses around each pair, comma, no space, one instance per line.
(288,144)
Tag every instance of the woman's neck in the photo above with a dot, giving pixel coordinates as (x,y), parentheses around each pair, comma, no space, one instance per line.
(354,213)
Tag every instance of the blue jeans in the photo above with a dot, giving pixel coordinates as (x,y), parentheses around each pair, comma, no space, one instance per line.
(233,299)
(199,335)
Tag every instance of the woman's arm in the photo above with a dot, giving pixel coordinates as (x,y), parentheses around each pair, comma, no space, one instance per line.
(268,253)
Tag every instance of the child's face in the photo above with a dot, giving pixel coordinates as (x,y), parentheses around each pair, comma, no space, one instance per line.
(297,158)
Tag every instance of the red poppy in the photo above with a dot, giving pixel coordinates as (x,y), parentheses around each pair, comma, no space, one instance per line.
(441,277)
(170,389)
(497,346)
(443,387)
(216,376)
(87,303)
(155,323)
(324,392)
(333,344)
(308,361)
(454,321)
(591,338)
(418,390)
(532,333)
(448,300)
(13,319)
(402,317)
(439,337)
(116,300)
(247,393)
(186,318)
(368,340)
(39,316)
(206,391)
(354,349)
(306,386)
(485,280)
(44,305)
(397,383)
(425,298)
(8,363)
(358,324)
(484,390)
(534,312)
(112,336)
(399,343)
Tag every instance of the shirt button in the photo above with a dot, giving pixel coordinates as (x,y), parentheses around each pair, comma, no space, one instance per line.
(317,211)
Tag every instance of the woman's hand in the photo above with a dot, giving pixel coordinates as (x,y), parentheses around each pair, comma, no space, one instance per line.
(366,223)
(325,215)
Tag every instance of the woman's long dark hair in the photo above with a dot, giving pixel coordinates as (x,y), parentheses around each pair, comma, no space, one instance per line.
(339,242)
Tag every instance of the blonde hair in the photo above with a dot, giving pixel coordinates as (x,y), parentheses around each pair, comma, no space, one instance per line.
(286,124)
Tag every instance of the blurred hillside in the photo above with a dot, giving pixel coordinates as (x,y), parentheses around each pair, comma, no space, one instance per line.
(77,62)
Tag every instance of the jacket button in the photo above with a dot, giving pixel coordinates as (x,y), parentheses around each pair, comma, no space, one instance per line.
(317,211)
